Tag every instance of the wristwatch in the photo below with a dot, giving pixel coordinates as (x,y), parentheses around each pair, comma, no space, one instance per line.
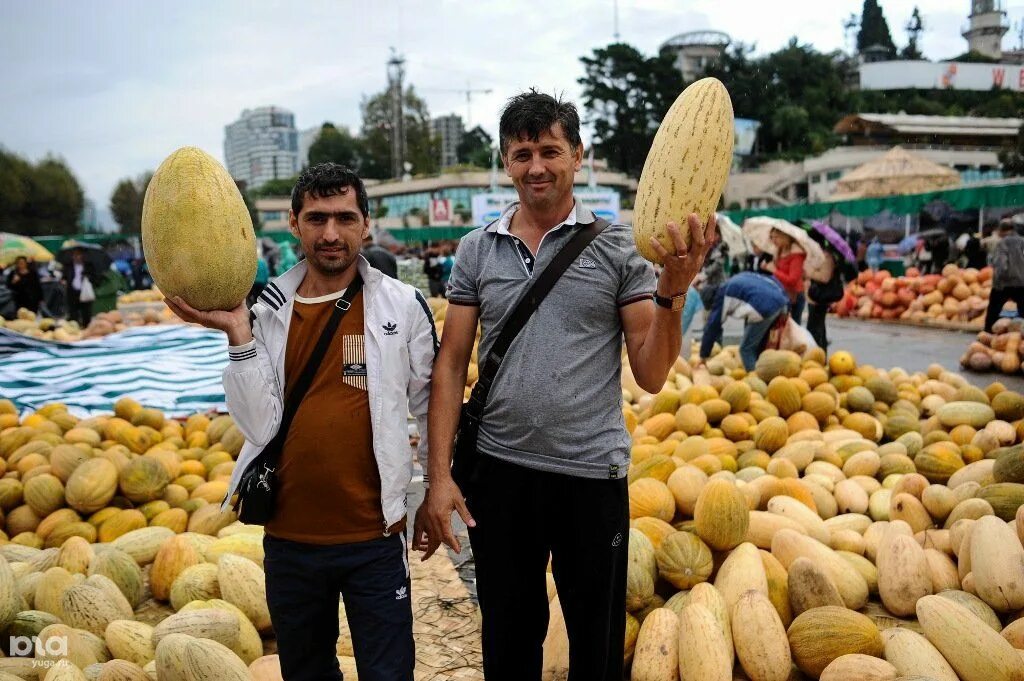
(675,303)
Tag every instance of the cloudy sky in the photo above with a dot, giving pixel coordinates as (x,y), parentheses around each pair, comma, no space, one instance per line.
(113,86)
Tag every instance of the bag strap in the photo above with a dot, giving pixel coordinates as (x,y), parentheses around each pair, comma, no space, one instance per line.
(525,308)
(298,392)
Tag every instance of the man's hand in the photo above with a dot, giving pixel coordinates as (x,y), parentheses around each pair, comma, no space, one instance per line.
(235,323)
(680,267)
(433,524)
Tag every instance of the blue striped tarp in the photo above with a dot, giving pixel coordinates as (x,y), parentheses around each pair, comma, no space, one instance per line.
(176,369)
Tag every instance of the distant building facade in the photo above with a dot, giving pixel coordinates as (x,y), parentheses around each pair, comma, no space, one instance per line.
(987,27)
(695,51)
(262,145)
(449,130)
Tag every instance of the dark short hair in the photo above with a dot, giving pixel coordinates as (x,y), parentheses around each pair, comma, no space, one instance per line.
(529,114)
(328,179)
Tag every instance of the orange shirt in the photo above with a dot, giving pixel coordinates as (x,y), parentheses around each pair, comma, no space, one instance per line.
(329,489)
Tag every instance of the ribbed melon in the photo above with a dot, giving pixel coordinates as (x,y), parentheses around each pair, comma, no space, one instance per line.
(197,234)
(687,165)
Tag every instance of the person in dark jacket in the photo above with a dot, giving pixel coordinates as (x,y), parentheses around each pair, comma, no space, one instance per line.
(25,286)
(756,299)
(380,257)
(1008,274)
(821,295)
(80,273)
(977,256)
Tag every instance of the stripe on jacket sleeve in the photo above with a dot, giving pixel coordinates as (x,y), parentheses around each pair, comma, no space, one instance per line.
(272,287)
(271,302)
(430,320)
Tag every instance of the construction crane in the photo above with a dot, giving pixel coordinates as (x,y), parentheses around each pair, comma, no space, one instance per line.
(469,92)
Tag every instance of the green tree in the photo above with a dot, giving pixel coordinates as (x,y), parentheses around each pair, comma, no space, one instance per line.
(56,199)
(278,187)
(626,95)
(1013,159)
(422,148)
(475,148)
(914,27)
(249,205)
(15,189)
(126,202)
(335,145)
(874,29)
(791,127)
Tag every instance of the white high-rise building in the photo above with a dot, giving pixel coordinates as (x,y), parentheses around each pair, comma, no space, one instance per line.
(449,130)
(262,145)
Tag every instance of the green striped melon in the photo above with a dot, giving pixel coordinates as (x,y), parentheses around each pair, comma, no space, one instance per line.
(687,166)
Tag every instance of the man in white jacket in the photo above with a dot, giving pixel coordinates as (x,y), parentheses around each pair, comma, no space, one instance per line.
(339,521)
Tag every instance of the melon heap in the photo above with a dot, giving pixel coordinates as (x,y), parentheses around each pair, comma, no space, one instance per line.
(957,295)
(850,521)
(687,166)
(197,233)
(996,351)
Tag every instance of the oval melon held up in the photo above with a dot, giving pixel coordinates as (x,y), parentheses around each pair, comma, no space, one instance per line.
(687,166)
(197,233)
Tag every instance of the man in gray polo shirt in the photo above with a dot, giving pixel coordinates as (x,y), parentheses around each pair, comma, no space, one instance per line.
(554,452)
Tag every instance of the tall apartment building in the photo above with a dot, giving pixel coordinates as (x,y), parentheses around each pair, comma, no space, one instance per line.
(262,145)
(449,130)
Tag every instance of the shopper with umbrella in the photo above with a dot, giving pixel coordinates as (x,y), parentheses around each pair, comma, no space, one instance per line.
(793,251)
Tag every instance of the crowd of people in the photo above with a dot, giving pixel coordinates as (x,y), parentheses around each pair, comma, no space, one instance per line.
(771,287)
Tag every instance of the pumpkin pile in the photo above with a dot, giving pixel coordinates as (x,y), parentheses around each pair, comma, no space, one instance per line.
(114,544)
(996,351)
(957,295)
(853,522)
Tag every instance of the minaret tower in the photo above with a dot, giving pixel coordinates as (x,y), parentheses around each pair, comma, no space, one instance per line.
(987,28)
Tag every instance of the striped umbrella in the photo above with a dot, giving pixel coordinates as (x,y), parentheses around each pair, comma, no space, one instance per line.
(14,246)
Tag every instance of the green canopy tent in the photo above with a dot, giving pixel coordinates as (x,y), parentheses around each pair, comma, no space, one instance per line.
(972,198)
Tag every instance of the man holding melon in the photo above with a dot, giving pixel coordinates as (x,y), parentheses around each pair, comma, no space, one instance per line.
(357,348)
(546,476)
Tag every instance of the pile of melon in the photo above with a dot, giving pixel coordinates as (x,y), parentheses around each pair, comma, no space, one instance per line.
(824,519)
(957,295)
(106,323)
(996,351)
(113,544)
(44,328)
(439,308)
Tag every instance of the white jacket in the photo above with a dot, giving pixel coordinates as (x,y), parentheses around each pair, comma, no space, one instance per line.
(400,346)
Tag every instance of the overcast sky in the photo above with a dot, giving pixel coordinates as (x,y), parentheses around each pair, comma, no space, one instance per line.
(113,86)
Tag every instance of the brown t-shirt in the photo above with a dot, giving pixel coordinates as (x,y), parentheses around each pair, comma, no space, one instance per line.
(329,482)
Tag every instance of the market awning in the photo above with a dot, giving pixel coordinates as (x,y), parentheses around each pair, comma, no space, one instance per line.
(994,196)
(417,234)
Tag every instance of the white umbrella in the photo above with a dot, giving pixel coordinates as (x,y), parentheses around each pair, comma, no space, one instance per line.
(732,236)
(759,231)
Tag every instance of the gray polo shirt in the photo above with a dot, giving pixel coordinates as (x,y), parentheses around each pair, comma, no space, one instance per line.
(556,402)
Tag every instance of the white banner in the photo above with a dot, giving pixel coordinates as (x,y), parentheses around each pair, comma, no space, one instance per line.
(488,207)
(924,75)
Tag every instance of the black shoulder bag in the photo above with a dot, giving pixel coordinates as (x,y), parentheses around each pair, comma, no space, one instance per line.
(464,457)
(257,489)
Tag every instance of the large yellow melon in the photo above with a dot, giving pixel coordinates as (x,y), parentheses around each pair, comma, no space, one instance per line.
(687,165)
(197,233)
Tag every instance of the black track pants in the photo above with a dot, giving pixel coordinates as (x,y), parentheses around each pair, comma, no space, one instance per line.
(522,516)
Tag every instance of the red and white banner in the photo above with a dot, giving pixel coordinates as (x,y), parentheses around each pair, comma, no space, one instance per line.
(440,213)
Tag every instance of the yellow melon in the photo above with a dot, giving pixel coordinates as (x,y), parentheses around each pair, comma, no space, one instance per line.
(687,165)
(197,233)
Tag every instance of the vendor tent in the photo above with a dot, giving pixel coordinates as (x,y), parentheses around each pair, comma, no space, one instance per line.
(896,172)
